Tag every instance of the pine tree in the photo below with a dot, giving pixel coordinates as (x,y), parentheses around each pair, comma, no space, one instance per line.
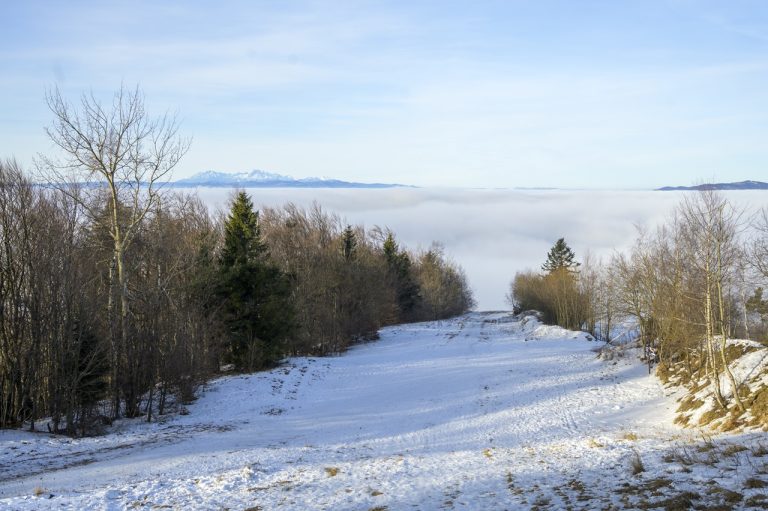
(254,293)
(560,257)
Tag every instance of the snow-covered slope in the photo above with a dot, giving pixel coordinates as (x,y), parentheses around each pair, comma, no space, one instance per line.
(480,412)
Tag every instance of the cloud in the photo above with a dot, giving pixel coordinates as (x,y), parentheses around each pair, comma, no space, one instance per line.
(494,233)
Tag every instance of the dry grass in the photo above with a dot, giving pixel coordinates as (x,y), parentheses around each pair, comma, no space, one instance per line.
(38,491)
(631,436)
(753,483)
(759,450)
(636,464)
(711,415)
(657,483)
(594,444)
(689,403)
(681,502)
(758,407)
(759,500)
(730,497)
(331,471)
(733,449)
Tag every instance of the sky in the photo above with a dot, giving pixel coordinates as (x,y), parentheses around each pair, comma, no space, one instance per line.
(513,93)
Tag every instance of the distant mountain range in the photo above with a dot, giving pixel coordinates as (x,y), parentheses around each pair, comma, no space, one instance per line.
(263,179)
(741,185)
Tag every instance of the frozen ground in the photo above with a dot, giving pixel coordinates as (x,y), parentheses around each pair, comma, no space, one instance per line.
(481,412)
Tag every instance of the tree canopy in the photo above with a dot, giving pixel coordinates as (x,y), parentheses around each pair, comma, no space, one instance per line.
(559,257)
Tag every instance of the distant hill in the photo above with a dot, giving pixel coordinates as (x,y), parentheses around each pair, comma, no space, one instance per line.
(742,185)
(263,179)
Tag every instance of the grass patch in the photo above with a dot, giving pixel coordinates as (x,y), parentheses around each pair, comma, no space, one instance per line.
(754,482)
(733,449)
(689,403)
(730,497)
(758,407)
(541,502)
(681,502)
(38,491)
(710,416)
(594,444)
(331,471)
(759,450)
(759,500)
(659,482)
(636,465)
(631,436)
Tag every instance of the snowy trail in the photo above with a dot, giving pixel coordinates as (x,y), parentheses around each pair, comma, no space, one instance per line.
(480,412)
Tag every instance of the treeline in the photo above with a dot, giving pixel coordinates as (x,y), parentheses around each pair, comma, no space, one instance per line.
(348,282)
(117,298)
(688,286)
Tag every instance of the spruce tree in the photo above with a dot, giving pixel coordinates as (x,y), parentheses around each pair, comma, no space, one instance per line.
(253,292)
(560,257)
(407,290)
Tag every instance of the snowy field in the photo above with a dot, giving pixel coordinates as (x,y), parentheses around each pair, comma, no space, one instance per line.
(481,412)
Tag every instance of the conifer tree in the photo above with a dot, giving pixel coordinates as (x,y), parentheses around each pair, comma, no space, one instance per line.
(348,243)
(254,293)
(407,290)
(560,256)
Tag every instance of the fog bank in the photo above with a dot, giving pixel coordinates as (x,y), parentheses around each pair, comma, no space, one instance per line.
(491,233)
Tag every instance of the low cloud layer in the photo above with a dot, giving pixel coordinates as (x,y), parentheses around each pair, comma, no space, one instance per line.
(492,233)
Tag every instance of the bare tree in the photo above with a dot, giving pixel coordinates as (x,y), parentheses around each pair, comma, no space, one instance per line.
(759,249)
(712,226)
(119,153)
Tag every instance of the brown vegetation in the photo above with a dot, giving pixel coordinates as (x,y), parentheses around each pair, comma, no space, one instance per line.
(111,289)
(688,286)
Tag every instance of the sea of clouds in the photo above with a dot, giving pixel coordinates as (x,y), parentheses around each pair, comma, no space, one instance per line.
(492,233)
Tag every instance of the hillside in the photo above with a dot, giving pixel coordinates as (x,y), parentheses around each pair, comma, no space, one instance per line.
(741,185)
(482,412)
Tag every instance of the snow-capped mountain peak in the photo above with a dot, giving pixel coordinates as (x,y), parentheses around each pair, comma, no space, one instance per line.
(261,178)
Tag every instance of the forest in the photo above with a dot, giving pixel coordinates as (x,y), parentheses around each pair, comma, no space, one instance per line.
(685,288)
(119,297)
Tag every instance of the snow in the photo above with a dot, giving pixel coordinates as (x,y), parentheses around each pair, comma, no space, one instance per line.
(481,412)
(211,176)
(751,368)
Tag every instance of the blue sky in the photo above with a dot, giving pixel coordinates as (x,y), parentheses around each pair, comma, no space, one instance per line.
(613,94)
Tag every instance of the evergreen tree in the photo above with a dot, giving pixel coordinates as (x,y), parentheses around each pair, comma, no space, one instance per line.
(560,257)
(407,290)
(92,371)
(348,243)
(254,293)
(242,234)
(757,305)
